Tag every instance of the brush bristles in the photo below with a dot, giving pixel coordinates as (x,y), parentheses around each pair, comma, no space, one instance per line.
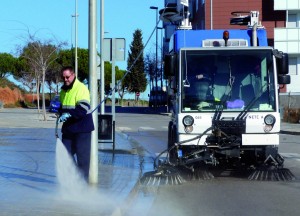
(280,174)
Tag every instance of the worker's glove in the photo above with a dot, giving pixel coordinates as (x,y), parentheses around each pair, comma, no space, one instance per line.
(64,117)
(203,104)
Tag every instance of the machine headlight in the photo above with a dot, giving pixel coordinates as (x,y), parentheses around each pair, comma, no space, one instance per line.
(188,120)
(268,128)
(188,129)
(270,120)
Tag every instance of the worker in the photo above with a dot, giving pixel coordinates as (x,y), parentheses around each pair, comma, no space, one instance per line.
(202,88)
(77,119)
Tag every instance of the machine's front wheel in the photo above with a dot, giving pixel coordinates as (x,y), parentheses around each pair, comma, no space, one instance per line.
(172,138)
(170,135)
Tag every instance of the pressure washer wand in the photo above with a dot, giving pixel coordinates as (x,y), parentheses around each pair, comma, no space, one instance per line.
(56,126)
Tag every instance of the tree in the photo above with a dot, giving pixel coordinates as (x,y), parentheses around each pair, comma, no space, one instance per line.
(136,81)
(53,77)
(39,55)
(83,64)
(66,57)
(107,78)
(150,68)
(23,73)
(7,64)
(120,84)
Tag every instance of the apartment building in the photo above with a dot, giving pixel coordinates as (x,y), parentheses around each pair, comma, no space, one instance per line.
(281,18)
(287,39)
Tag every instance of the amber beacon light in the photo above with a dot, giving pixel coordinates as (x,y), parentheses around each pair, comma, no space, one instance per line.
(226,36)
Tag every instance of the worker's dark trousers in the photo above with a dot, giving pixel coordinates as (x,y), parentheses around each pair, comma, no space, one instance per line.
(79,146)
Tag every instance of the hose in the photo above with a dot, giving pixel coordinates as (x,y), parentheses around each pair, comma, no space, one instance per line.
(56,126)
(178,144)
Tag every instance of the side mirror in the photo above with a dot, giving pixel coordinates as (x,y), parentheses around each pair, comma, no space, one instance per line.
(169,65)
(284,79)
(282,64)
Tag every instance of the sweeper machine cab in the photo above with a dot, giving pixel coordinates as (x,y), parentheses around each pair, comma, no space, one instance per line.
(224,89)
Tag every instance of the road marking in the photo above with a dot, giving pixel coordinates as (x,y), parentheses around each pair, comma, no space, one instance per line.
(141,128)
(124,128)
(146,128)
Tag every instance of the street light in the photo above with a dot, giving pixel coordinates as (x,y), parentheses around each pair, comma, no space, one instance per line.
(76,33)
(161,56)
(102,106)
(155,8)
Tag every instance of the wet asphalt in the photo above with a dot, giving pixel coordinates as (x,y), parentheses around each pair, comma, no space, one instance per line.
(28,180)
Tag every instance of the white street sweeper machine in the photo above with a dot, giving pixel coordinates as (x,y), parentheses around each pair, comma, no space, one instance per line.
(224,88)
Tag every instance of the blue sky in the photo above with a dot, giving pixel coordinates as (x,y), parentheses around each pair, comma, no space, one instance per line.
(53,18)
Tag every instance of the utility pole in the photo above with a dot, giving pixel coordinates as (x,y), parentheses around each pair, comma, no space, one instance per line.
(93,175)
(156,87)
(161,56)
(102,83)
(76,39)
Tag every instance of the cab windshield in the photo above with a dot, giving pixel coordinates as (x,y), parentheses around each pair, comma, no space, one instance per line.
(238,80)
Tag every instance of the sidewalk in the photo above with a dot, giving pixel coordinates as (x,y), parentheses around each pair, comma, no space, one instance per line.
(290,128)
(28,180)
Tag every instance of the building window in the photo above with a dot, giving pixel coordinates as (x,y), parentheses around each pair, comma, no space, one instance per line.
(292,21)
(293,66)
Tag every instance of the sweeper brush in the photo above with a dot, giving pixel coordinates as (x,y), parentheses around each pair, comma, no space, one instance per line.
(166,174)
(200,174)
(175,172)
(272,174)
(272,170)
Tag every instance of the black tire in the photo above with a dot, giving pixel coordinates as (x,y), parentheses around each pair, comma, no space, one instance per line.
(173,152)
(170,140)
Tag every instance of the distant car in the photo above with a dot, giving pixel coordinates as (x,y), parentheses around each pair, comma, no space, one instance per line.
(54,104)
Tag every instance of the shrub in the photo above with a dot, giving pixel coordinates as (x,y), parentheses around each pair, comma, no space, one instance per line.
(291,115)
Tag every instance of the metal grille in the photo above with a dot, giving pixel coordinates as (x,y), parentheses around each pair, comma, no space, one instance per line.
(221,43)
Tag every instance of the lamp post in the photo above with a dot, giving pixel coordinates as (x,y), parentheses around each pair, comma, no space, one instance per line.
(76,33)
(102,83)
(93,174)
(155,8)
(161,56)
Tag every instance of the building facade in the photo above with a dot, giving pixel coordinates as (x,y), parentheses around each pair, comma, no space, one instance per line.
(281,18)
(287,39)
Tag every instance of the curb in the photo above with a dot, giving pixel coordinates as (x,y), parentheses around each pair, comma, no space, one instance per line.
(290,132)
(166,114)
